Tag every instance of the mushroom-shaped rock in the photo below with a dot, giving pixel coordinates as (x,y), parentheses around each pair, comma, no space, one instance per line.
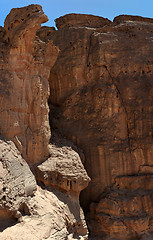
(63,169)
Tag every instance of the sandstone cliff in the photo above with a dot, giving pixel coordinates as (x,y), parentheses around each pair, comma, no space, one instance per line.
(101,99)
(24,83)
(28,211)
(96,76)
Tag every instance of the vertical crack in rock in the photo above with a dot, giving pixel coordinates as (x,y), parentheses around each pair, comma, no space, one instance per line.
(121,99)
(88,63)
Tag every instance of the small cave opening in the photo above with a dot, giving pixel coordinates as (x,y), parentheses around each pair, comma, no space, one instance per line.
(24,209)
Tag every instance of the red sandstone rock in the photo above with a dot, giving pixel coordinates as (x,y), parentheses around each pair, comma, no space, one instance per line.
(127,18)
(101,99)
(25,62)
(63,169)
(24,90)
(81,20)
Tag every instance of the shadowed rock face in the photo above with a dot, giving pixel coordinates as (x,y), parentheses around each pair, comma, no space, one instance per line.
(101,98)
(101,95)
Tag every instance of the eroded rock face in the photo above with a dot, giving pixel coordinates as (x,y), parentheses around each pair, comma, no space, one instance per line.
(63,169)
(125,210)
(101,99)
(17,183)
(24,91)
(27,211)
(52,215)
(81,20)
(127,18)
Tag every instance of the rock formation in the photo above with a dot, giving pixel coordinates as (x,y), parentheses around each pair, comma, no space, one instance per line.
(25,70)
(63,168)
(97,77)
(17,183)
(28,211)
(101,99)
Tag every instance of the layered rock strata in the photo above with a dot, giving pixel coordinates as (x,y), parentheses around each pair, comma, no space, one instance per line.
(124,210)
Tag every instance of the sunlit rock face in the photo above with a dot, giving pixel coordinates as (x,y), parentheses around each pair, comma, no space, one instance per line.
(24,90)
(17,183)
(101,98)
(100,94)
(64,168)
(28,211)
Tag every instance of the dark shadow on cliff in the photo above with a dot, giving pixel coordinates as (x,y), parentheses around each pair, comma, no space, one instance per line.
(8,222)
(60,140)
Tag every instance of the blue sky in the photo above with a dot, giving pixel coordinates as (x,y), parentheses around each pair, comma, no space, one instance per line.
(105,8)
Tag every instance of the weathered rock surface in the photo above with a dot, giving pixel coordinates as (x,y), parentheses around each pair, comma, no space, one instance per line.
(29,214)
(127,18)
(17,183)
(101,98)
(100,76)
(27,211)
(125,211)
(52,215)
(84,20)
(24,90)
(63,168)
